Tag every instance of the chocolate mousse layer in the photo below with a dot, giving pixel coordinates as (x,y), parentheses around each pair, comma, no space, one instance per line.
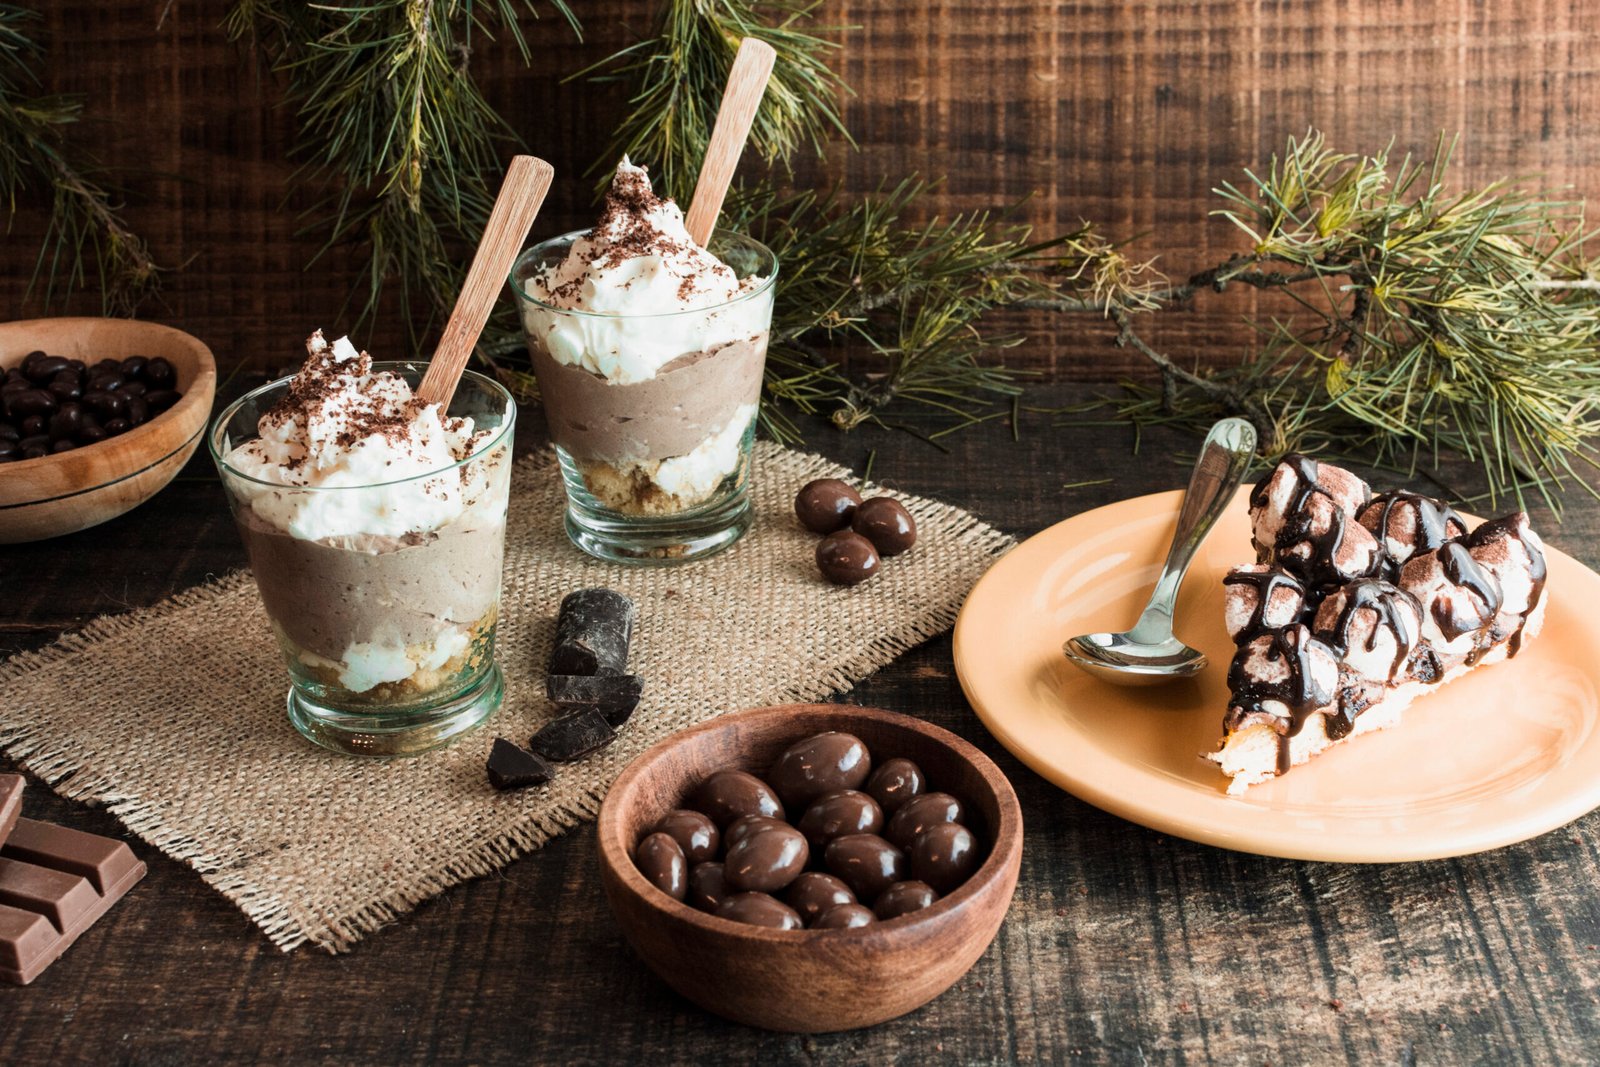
(669,415)
(396,590)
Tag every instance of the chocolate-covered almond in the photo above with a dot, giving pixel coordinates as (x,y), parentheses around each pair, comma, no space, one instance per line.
(661,861)
(826,505)
(694,832)
(766,861)
(919,813)
(846,558)
(944,856)
(745,825)
(760,909)
(902,898)
(845,917)
(822,763)
(707,886)
(866,862)
(885,522)
(844,811)
(726,795)
(894,783)
(814,893)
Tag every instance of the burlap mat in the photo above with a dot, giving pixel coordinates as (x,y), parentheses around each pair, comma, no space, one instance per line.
(173,717)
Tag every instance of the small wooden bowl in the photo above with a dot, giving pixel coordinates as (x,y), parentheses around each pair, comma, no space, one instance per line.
(809,981)
(72,491)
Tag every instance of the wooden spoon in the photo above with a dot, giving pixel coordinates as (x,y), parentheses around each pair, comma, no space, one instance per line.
(521,195)
(746,82)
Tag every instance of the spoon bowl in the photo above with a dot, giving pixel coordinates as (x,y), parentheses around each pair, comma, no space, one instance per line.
(1115,658)
(1149,653)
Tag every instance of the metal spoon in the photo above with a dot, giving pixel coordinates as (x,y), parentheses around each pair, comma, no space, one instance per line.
(1149,654)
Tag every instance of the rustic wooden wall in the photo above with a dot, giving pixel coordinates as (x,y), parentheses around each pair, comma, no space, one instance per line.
(1126,112)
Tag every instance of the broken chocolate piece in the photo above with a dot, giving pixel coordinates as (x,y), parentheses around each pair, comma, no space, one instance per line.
(511,766)
(592,633)
(574,736)
(54,884)
(612,695)
(10,802)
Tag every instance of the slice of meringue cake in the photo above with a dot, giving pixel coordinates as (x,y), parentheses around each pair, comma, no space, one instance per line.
(1357,605)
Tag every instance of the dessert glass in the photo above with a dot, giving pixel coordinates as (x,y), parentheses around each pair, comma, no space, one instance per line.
(656,471)
(389,640)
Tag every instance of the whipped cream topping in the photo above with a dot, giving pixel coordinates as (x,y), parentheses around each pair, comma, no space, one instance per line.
(651,293)
(342,425)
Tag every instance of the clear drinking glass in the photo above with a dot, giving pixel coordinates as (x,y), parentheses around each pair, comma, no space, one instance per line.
(388,637)
(656,470)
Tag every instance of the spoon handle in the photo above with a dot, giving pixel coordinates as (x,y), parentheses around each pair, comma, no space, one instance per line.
(1224,458)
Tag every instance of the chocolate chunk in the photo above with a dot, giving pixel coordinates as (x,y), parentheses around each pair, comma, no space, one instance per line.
(512,767)
(846,558)
(826,505)
(822,763)
(593,630)
(944,856)
(54,884)
(903,898)
(662,862)
(760,909)
(845,917)
(885,522)
(573,737)
(612,695)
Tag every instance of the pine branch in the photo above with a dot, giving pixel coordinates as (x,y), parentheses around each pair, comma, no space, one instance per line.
(1429,321)
(396,137)
(679,73)
(84,227)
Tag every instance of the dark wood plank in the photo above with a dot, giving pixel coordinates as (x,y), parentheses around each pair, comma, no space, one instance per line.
(1124,112)
(1123,945)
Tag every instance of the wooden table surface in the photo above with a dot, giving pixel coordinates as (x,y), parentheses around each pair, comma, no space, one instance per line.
(1122,945)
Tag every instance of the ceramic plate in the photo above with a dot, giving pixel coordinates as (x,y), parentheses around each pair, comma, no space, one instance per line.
(1501,755)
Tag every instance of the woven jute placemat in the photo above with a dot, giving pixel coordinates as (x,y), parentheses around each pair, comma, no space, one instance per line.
(173,717)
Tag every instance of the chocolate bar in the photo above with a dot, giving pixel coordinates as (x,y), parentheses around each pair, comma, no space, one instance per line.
(54,884)
(573,736)
(10,802)
(612,695)
(593,631)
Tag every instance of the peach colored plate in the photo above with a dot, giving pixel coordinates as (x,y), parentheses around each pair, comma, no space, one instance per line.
(1501,755)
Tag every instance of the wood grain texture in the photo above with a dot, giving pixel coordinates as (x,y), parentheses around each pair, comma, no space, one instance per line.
(807,981)
(1125,112)
(1122,945)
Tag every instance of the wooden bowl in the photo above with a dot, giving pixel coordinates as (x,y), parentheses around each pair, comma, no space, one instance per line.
(808,981)
(74,490)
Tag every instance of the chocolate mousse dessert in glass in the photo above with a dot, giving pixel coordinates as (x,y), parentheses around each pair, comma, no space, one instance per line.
(649,351)
(376,530)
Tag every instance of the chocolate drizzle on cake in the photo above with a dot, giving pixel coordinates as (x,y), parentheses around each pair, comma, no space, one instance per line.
(1298,691)
(1387,603)
(1313,555)
(1512,528)
(1433,523)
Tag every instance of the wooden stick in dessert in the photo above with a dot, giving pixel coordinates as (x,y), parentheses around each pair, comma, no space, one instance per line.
(746,82)
(521,195)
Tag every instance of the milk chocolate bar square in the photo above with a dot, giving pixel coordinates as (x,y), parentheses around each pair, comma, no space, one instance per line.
(54,884)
